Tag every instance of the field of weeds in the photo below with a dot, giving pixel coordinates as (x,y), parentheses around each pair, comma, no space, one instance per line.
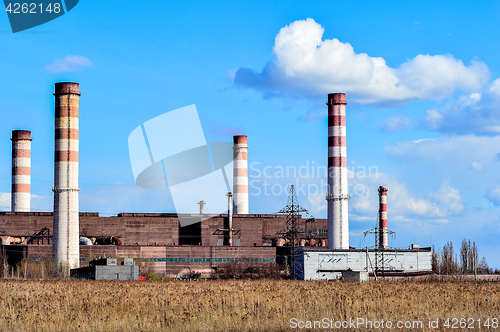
(239,305)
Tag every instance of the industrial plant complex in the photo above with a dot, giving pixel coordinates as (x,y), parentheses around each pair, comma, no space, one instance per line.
(310,248)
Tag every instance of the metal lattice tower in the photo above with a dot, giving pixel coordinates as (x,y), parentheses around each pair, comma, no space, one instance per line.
(380,266)
(294,212)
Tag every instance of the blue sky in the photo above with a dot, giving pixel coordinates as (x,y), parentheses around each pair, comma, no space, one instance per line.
(421,81)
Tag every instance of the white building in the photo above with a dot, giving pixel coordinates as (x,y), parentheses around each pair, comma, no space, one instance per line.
(328,264)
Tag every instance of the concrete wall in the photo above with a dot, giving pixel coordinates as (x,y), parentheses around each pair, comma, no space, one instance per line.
(103,272)
(119,272)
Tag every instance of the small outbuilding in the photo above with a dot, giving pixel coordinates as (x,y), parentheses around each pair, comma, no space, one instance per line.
(108,269)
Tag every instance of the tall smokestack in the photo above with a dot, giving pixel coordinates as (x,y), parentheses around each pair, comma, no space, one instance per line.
(21,171)
(382,217)
(337,197)
(65,249)
(240,175)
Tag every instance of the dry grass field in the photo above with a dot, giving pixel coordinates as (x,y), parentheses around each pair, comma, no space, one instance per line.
(237,305)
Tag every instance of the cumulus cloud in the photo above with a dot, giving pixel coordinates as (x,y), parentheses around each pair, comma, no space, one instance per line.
(449,199)
(474,113)
(305,65)
(403,206)
(317,202)
(395,123)
(493,194)
(69,63)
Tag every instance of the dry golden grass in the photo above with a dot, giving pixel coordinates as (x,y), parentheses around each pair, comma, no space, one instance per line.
(263,305)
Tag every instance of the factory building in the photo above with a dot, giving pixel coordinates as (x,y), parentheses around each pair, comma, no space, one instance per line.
(159,240)
(67,236)
(328,264)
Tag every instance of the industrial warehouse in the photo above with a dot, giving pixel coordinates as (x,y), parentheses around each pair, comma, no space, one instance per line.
(309,248)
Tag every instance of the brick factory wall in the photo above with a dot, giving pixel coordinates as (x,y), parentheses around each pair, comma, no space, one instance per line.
(250,230)
(208,227)
(132,229)
(168,260)
(152,228)
(24,223)
(144,229)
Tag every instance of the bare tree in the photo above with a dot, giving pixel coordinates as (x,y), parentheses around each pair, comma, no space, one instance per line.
(436,264)
(464,256)
(472,257)
(467,261)
(448,259)
(483,267)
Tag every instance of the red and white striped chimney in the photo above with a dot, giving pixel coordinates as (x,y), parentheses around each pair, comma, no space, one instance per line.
(337,197)
(21,171)
(240,175)
(382,217)
(65,249)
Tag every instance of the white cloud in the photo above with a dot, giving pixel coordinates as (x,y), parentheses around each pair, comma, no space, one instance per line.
(402,205)
(305,65)
(468,162)
(38,203)
(5,201)
(69,63)
(441,221)
(42,203)
(449,199)
(493,194)
(401,219)
(476,166)
(474,113)
(317,202)
(396,123)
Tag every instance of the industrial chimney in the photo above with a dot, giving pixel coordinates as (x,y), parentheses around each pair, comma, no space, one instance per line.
(382,217)
(240,175)
(21,171)
(337,197)
(65,249)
